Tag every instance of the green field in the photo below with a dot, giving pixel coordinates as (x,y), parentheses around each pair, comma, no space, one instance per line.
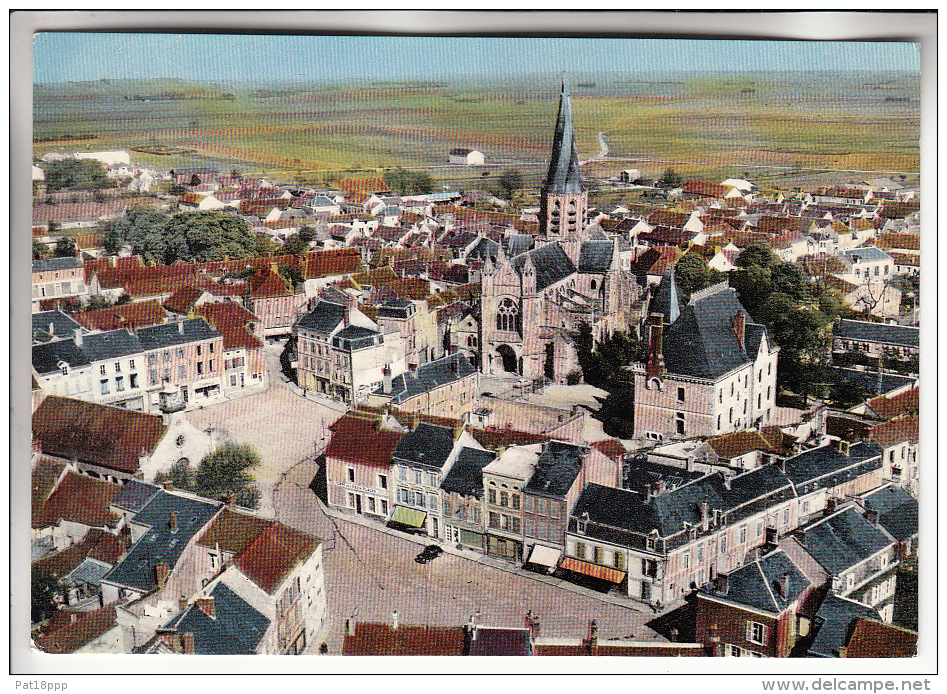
(317,133)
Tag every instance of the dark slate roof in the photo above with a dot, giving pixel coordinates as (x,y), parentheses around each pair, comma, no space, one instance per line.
(595,256)
(843,540)
(235,629)
(160,543)
(168,334)
(866,253)
(758,584)
(63,325)
(110,345)
(485,248)
(466,474)
(500,642)
(833,621)
(514,244)
(323,318)
(558,466)
(551,262)
(897,511)
(354,332)
(46,357)
(429,376)
(902,335)
(563,175)
(665,299)
(639,473)
(427,445)
(134,495)
(90,571)
(826,461)
(396,307)
(56,264)
(702,342)
(869,379)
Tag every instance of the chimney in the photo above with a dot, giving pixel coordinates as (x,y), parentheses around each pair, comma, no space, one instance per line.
(386,379)
(872,516)
(704,516)
(591,643)
(830,505)
(655,366)
(739,327)
(784,583)
(182,603)
(187,643)
(350,625)
(173,521)
(727,482)
(73,617)
(207,607)
(181,326)
(394,620)
(658,486)
(722,584)
(161,573)
(52,328)
(843,447)
(78,336)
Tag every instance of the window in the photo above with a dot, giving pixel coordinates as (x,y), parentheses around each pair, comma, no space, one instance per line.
(515,499)
(133,381)
(492,496)
(180,352)
(680,394)
(494,519)
(742,534)
(680,422)
(199,350)
(507,314)
(153,376)
(756,633)
(620,561)
(580,550)
(384,507)
(719,420)
(104,386)
(180,370)
(118,367)
(211,347)
(598,555)
(786,516)
(200,368)
(383,481)
(649,543)
(515,525)
(759,529)
(417,476)
(351,474)
(211,366)
(65,370)
(687,560)
(504,499)
(119,383)
(166,355)
(419,499)
(102,369)
(720,396)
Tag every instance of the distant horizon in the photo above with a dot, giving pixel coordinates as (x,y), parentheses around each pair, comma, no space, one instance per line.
(75,57)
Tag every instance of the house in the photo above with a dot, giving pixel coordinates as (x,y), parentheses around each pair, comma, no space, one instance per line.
(711,371)
(896,512)
(112,443)
(875,339)
(52,325)
(898,439)
(58,278)
(140,314)
(244,362)
(867,263)
(462,496)
(394,638)
(74,507)
(79,631)
(466,157)
(757,611)
(446,387)
(79,568)
(877,298)
(418,464)
(503,480)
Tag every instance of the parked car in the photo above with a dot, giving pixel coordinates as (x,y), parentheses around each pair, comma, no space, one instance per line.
(428,553)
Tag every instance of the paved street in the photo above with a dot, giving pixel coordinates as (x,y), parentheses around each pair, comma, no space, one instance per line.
(374,573)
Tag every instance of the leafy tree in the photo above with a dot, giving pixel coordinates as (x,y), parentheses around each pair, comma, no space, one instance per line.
(95,302)
(594,371)
(404,182)
(691,273)
(43,589)
(195,180)
(616,412)
(177,189)
(847,393)
(75,174)
(510,181)
(298,242)
(181,475)
(669,179)
(66,248)
(292,274)
(40,249)
(123,299)
(224,471)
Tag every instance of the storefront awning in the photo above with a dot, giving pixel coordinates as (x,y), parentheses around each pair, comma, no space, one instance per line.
(408,517)
(544,556)
(593,570)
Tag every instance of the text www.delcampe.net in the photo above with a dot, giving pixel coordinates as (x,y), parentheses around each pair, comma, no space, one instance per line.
(837,684)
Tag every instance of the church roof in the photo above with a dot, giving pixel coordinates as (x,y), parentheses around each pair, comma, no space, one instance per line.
(665,299)
(551,262)
(596,256)
(563,175)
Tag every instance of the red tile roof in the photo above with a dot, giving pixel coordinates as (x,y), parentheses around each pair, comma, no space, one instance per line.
(640,650)
(182,300)
(357,439)
(890,407)
(705,190)
(97,544)
(612,448)
(343,261)
(407,639)
(232,530)
(911,242)
(63,635)
(668,218)
(45,476)
(871,639)
(273,554)
(137,314)
(109,436)
(733,445)
(896,431)
(231,320)
(77,499)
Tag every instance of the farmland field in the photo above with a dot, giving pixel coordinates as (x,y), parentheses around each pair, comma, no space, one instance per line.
(316,133)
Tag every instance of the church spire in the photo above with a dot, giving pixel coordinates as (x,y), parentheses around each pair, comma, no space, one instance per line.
(563,175)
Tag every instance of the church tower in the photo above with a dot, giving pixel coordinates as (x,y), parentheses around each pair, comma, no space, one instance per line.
(563,203)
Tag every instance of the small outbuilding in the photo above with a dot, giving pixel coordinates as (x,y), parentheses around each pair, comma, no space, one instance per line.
(466,157)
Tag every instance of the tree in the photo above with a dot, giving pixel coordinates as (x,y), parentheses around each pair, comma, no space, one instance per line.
(66,248)
(669,179)
(75,174)
(404,182)
(615,413)
(123,299)
(177,189)
(224,471)
(40,249)
(292,274)
(691,273)
(510,181)
(195,180)
(847,393)
(181,475)
(43,589)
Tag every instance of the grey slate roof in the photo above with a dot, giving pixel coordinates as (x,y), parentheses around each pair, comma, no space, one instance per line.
(551,262)
(514,244)
(235,629)
(826,464)
(466,474)
(63,325)
(110,345)
(46,357)
(485,248)
(869,379)
(702,342)
(323,318)
(556,469)
(639,473)
(428,376)
(755,584)
(134,495)
(833,621)
(665,300)
(897,511)
(595,256)
(168,334)
(428,445)
(160,543)
(396,307)
(90,571)
(563,175)
(356,336)
(867,253)
(842,540)
(901,335)
(56,264)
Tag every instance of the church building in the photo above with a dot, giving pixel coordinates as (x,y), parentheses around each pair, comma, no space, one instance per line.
(532,301)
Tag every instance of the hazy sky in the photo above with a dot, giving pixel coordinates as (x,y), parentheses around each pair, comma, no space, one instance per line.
(60,57)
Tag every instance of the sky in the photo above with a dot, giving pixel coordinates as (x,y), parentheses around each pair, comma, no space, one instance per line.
(73,56)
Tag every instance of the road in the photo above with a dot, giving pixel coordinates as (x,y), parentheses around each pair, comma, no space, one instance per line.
(602,151)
